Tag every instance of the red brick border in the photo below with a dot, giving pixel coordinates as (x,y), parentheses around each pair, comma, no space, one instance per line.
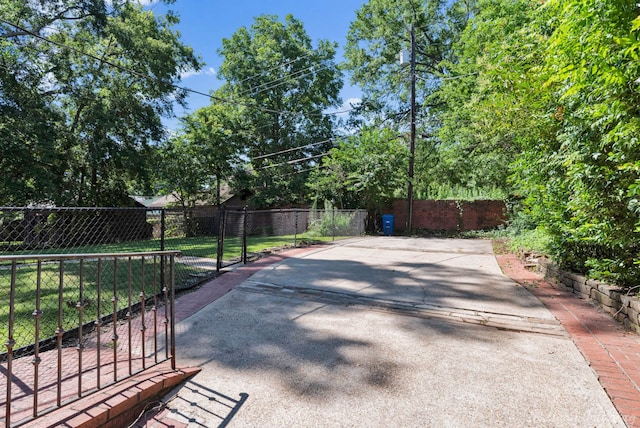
(119,404)
(612,352)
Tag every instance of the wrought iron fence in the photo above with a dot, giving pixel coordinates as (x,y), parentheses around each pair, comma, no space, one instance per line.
(87,321)
(71,279)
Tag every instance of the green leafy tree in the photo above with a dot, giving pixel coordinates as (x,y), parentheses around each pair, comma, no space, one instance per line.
(201,155)
(366,170)
(217,138)
(593,63)
(31,124)
(181,171)
(104,74)
(382,29)
(495,104)
(28,137)
(553,87)
(286,85)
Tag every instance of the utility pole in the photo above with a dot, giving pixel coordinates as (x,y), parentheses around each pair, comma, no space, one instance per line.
(412,142)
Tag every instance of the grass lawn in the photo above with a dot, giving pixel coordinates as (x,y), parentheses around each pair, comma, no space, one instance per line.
(233,246)
(199,246)
(112,275)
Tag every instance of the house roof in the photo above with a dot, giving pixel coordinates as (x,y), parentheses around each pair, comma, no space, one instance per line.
(165,201)
(156,201)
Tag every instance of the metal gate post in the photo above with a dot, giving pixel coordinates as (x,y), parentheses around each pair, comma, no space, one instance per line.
(295,232)
(244,235)
(220,249)
(163,226)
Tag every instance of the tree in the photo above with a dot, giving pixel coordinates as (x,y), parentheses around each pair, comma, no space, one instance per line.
(365,170)
(382,29)
(217,138)
(181,171)
(592,60)
(103,73)
(553,87)
(495,103)
(28,134)
(286,85)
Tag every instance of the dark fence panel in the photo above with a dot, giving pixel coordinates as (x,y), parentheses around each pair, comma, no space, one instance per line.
(247,233)
(34,229)
(115,230)
(209,237)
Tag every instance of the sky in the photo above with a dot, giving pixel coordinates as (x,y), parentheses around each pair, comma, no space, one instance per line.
(204,23)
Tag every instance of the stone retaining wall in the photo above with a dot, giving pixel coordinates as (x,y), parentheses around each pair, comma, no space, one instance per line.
(624,308)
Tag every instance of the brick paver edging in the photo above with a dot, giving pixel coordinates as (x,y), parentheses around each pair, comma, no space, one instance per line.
(612,352)
(119,404)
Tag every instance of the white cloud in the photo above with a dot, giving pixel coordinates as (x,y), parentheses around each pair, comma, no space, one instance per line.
(48,82)
(346,107)
(351,103)
(187,74)
(143,3)
(209,71)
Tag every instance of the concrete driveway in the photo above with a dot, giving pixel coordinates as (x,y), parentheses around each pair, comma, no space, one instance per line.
(380,332)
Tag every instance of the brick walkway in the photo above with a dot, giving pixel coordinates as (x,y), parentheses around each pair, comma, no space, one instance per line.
(612,352)
(99,364)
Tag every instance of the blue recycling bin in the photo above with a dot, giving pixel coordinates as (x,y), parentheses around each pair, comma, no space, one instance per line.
(387,224)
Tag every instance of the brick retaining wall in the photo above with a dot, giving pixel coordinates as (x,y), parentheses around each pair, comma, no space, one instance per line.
(624,308)
(450,215)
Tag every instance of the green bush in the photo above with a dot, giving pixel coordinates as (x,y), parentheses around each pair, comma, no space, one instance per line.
(330,223)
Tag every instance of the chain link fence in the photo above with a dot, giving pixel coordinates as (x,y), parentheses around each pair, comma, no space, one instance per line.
(250,233)
(112,270)
(110,230)
(209,239)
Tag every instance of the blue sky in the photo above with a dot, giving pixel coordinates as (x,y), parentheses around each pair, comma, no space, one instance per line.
(204,23)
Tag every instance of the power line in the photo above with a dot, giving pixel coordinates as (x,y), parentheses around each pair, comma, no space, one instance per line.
(291,162)
(277,66)
(146,77)
(270,85)
(292,149)
(299,172)
(297,148)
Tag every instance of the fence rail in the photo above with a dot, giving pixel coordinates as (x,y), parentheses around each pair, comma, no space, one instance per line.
(86,320)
